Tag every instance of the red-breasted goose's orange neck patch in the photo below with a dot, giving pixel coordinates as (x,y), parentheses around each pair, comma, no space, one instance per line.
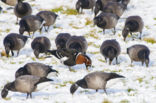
(80,59)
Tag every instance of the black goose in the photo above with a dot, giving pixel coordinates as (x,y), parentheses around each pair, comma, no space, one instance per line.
(14,41)
(24,84)
(85,4)
(34,68)
(40,45)
(139,52)
(78,43)
(106,21)
(95,80)
(22,9)
(110,49)
(61,40)
(133,24)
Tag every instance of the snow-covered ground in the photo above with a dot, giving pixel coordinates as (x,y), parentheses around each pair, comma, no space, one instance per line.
(139,86)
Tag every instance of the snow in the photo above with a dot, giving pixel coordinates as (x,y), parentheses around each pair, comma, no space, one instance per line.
(139,86)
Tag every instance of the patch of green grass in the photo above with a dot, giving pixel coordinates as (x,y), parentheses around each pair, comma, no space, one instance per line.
(119,35)
(33,58)
(21,62)
(147,27)
(56,87)
(33,5)
(88,21)
(106,101)
(59,9)
(140,80)
(54,26)
(54,61)
(7,30)
(100,31)
(5,11)
(12,62)
(93,44)
(102,60)
(96,46)
(152,78)
(72,70)
(75,27)
(84,91)
(130,89)
(124,101)
(70,11)
(45,98)
(94,52)
(150,40)
(7,98)
(130,65)
(90,43)
(64,84)
(67,11)
(117,70)
(41,58)
(70,82)
(92,34)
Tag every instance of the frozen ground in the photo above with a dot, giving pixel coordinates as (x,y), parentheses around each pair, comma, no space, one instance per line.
(139,86)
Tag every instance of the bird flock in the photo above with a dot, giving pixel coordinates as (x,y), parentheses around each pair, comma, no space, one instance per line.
(71,50)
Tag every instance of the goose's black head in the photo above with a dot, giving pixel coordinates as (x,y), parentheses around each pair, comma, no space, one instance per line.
(80,83)
(7,87)
(7,46)
(99,22)
(1,9)
(125,32)
(38,48)
(61,43)
(76,45)
(23,26)
(21,71)
(110,52)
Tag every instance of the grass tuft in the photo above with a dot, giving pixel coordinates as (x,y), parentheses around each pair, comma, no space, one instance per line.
(70,11)
(92,34)
(106,101)
(102,60)
(130,89)
(59,9)
(93,52)
(150,40)
(147,27)
(67,11)
(88,21)
(8,30)
(140,80)
(124,101)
